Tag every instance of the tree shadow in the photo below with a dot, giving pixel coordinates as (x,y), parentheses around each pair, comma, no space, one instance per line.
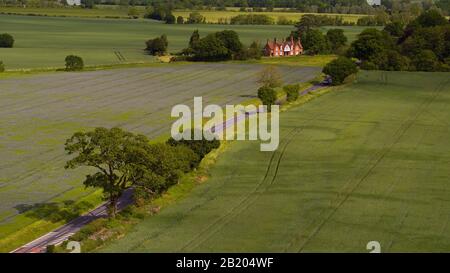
(53,211)
(248,96)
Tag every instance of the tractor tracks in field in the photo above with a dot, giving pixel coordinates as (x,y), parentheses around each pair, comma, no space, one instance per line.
(296,243)
(249,199)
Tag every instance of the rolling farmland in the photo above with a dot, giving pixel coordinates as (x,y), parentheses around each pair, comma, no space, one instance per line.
(42,42)
(38,113)
(365,162)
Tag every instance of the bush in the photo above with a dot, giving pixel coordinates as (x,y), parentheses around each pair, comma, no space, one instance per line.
(251,19)
(6,40)
(291,92)
(180,20)
(340,69)
(336,38)
(2,67)
(195,18)
(74,63)
(426,61)
(314,42)
(210,48)
(268,96)
(170,19)
(200,147)
(157,46)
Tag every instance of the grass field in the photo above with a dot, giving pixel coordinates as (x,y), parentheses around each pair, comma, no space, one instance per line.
(38,113)
(364,162)
(45,41)
(105,11)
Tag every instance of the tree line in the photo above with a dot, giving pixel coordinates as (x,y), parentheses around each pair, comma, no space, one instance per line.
(124,160)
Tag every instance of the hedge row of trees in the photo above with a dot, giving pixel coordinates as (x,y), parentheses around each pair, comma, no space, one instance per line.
(422,45)
(124,160)
(219,46)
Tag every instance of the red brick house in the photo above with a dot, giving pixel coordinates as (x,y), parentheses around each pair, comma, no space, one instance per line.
(285,48)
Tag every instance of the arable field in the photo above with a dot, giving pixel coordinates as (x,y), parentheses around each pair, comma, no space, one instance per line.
(216,16)
(38,113)
(109,11)
(366,162)
(42,42)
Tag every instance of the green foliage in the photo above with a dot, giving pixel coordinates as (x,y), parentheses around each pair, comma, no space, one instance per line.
(340,69)
(371,46)
(170,19)
(219,46)
(195,18)
(314,42)
(336,38)
(251,19)
(431,18)
(308,21)
(268,96)
(6,40)
(395,29)
(157,46)
(425,60)
(198,148)
(270,77)
(291,92)
(120,158)
(253,52)
(230,39)
(423,45)
(210,48)
(180,20)
(2,67)
(74,63)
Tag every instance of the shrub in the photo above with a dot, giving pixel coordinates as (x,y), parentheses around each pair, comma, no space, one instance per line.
(157,46)
(195,18)
(251,19)
(2,67)
(340,69)
(200,147)
(74,63)
(426,61)
(268,96)
(170,19)
(291,92)
(336,38)
(180,20)
(314,42)
(270,77)
(6,40)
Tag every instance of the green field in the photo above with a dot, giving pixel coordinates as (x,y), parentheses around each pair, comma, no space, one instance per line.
(105,11)
(366,162)
(38,113)
(43,42)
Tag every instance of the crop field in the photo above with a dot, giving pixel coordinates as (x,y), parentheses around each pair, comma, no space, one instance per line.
(216,16)
(38,113)
(366,162)
(42,42)
(108,11)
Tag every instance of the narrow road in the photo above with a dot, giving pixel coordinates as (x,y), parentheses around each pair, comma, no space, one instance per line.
(63,233)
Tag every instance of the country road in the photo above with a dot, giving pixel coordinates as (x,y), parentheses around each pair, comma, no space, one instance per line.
(63,233)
